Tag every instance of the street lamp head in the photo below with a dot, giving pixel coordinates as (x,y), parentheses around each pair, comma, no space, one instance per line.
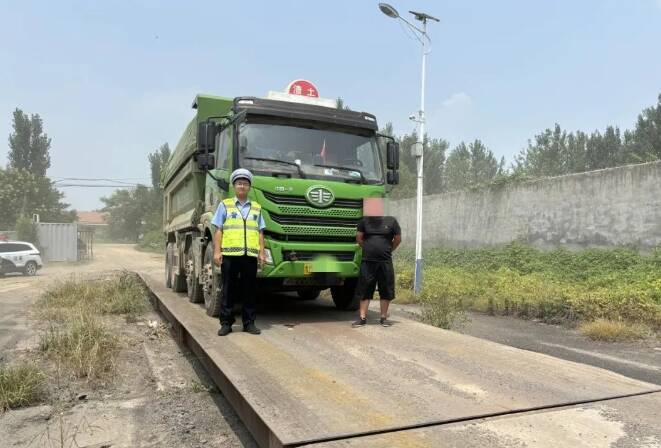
(388,10)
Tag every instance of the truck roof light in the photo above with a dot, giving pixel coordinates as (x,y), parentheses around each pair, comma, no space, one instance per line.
(368,118)
(245,102)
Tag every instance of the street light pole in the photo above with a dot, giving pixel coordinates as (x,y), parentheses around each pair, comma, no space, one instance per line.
(420,168)
(420,119)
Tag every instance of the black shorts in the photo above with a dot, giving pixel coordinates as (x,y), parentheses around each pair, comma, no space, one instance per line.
(373,273)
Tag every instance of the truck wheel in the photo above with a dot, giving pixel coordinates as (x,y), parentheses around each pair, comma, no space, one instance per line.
(308,294)
(343,296)
(168,265)
(178,280)
(212,283)
(193,287)
(30,268)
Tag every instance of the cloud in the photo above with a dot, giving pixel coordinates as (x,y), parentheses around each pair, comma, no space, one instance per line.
(459,100)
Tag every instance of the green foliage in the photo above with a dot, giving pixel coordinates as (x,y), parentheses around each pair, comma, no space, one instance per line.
(25,188)
(153,241)
(26,230)
(132,214)
(471,166)
(28,145)
(616,284)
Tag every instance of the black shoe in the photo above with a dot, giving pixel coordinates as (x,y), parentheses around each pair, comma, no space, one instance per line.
(225,329)
(359,323)
(251,328)
(385,322)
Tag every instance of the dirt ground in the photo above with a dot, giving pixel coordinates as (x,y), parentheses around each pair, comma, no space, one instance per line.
(160,396)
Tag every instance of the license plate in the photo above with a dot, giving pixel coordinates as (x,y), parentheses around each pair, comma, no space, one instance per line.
(307,269)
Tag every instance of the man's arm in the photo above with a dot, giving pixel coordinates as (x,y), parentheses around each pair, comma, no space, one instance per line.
(218,220)
(397,238)
(360,238)
(217,244)
(262,255)
(396,241)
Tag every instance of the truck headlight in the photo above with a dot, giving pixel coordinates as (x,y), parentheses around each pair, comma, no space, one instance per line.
(269,256)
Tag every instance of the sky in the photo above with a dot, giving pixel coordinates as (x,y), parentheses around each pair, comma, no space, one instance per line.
(113,81)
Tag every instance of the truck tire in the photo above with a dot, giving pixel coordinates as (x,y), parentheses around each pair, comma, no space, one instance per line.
(178,280)
(308,294)
(212,283)
(168,265)
(193,287)
(344,297)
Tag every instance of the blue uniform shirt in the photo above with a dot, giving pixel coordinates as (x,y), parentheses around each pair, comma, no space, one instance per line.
(221,213)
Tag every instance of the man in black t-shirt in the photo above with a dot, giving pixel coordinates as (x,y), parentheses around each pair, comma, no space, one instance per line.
(378,235)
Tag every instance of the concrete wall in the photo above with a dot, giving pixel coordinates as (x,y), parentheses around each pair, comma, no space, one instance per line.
(617,206)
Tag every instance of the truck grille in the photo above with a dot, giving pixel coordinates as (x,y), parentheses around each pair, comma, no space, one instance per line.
(305,255)
(314,220)
(328,238)
(281,199)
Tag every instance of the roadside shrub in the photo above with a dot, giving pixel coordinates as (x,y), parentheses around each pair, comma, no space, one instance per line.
(613,331)
(26,230)
(153,241)
(21,385)
(555,286)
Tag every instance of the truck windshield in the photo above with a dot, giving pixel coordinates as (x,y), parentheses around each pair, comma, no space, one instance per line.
(319,153)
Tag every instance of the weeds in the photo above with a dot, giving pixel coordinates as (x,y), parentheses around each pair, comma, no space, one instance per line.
(555,286)
(122,293)
(21,385)
(613,331)
(82,346)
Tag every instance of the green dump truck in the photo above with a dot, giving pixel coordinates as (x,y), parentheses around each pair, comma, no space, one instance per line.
(312,167)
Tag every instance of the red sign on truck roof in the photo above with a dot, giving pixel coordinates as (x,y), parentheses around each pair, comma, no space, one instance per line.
(303,87)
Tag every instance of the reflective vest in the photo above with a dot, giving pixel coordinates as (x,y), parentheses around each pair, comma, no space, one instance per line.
(241,236)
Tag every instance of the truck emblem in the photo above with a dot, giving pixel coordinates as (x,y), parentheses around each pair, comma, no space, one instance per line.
(319,196)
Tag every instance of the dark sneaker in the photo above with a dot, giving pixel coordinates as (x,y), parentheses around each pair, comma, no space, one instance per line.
(251,328)
(225,329)
(359,323)
(385,322)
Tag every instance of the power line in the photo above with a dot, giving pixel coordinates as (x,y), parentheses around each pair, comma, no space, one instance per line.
(125,185)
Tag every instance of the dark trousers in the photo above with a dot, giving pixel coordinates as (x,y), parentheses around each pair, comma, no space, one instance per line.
(239,275)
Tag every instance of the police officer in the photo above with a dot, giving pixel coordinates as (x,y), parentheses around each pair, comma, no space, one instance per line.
(238,248)
(378,236)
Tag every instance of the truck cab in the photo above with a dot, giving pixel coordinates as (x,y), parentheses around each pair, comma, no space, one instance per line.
(312,167)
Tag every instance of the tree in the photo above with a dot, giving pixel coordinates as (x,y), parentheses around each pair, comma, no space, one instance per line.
(29,146)
(433,163)
(547,156)
(127,212)
(158,161)
(644,143)
(339,104)
(26,189)
(471,165)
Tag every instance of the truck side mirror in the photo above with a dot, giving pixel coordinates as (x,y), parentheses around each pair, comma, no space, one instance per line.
(206,161)
(392,155)
(206,136)
(392,178)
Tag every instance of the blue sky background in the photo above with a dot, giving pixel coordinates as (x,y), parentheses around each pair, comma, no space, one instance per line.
(114,80)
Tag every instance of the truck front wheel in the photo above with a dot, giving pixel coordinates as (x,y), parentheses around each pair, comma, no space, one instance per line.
(344,297)
(211,287)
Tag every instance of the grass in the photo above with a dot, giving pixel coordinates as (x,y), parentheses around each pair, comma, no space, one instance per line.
(77,340)
(82,346)
(554,286)
(613,331)
(21,385)
(122,294)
